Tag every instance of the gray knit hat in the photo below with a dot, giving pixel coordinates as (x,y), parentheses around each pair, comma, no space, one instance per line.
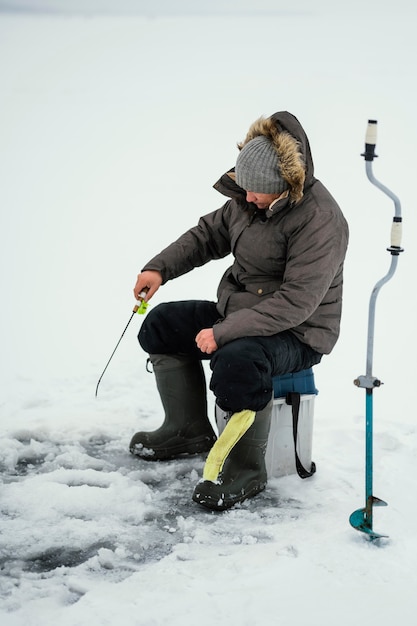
(257,167)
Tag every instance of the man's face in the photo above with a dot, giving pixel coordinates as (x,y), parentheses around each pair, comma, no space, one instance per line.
(262,200)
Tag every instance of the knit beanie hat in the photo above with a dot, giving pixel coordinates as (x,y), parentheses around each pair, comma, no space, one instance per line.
(257,167)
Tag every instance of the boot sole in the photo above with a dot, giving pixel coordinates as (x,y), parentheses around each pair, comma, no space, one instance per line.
(194,446)
(222,502)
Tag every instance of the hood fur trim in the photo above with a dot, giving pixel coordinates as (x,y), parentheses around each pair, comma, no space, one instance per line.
(292,166)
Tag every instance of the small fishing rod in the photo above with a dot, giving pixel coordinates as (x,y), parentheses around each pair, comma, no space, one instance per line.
(140,309)
(362,519)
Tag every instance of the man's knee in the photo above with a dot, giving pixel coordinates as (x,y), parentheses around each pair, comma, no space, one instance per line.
(150,336)
(241,377)
(172,326)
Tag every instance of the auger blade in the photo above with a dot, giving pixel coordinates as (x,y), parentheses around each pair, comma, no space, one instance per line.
(362,521)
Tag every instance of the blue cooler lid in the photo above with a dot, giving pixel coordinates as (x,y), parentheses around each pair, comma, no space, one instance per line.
(302,382)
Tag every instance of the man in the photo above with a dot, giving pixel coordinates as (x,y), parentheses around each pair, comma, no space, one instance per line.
(278,309)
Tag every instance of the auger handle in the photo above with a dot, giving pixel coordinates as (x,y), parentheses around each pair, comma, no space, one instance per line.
(369,155)
(396,235)
(370,141)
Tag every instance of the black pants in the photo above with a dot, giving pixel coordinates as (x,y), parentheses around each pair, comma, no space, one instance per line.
(242,369)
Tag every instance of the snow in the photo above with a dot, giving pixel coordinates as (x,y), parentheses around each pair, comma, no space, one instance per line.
(115,123)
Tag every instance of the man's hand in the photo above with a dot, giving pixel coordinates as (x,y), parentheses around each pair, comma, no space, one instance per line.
(149,281)
(205,341)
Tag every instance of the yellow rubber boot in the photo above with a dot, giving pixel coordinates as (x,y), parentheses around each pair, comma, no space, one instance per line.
(235,467)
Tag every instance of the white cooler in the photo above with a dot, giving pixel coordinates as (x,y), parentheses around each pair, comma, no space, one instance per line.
(280,457)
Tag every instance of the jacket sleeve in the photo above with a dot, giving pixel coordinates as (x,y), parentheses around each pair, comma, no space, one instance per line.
(207,241)
(315,254)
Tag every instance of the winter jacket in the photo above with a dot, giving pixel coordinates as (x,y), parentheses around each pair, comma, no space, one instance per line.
(287,272)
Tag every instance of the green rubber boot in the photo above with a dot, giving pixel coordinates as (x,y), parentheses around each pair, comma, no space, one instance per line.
(235,468)
(186,429)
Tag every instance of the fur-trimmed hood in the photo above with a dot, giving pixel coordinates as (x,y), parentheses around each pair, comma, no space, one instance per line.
(293,151)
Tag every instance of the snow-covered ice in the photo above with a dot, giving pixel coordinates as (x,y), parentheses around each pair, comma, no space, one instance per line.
(116,120)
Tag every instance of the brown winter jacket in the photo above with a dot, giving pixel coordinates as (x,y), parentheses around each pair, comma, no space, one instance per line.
(287,272)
